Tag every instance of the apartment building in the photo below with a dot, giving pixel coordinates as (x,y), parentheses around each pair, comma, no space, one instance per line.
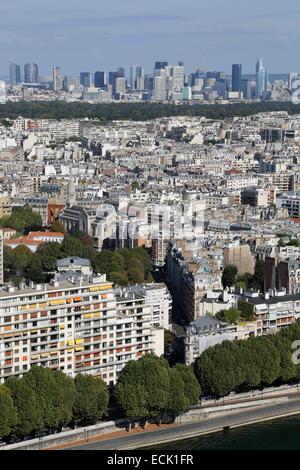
(291,202)
(274,310)
(159,300)
(241,257)
(5,206)
(207,331)
(75,324)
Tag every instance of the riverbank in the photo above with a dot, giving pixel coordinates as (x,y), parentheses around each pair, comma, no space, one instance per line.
(178,432)
(210,417)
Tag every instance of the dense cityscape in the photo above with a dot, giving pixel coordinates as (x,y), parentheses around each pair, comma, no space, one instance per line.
(149,229)
(167,83)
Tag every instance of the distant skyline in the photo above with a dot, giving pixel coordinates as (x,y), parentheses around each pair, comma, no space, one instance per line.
(102,36)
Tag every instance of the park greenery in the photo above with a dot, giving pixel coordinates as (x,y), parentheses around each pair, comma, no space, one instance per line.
(22,219)
(46,400)
(123,267)
(136,111)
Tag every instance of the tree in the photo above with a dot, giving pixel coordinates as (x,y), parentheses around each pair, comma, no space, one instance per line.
(259,275)
(8,413)
(89,253)
(135,185)
(58,227)
(135,276)
(35,272)
(192,389)
(157,383)
(119,278)
(177,400)
(22,257)
(42,382)
(65,396)
(29,416)
(49,254)
(9,258)
(229,275)
(246,310)
(230,316)
(21,218)
(71,246)
(91,399)
(130,391)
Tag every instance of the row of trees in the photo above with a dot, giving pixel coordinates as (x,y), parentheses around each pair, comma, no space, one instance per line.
(123,267)
(136,111)
(149,387)
(46,400)
(247,364)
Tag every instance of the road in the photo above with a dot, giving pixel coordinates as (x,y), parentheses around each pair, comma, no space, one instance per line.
(187,430)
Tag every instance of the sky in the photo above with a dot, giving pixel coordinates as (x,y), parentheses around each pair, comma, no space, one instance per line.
(94,35)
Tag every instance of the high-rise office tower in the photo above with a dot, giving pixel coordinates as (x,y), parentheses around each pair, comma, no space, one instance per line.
(120,86)
(159,93)
(160,65)
(261,78)
(57,79)
(136,72)
(100,79)
(236,77)
(112,77)
(14,73)
(177,74)
(31,73)
(87,79)
(148,82)
(247,89)
(120,72)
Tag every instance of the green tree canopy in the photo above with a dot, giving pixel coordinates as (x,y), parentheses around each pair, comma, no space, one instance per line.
(91,399)
(29,414)
(229,275)
(8,413)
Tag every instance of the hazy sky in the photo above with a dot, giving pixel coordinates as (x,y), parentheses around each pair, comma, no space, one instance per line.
(94,35)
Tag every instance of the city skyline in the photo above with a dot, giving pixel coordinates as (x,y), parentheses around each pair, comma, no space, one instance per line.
(99,37)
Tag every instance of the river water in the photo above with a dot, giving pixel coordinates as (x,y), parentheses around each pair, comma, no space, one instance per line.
(282,434)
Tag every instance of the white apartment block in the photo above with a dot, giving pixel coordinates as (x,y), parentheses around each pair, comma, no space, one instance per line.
(241,181)
(75,324)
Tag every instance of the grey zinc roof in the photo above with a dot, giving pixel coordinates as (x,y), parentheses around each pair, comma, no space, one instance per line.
(75,260)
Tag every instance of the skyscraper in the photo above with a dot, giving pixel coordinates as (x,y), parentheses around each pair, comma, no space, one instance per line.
(236,77)
(160,86)
(160,65)
(261,78)
(87,79)
(31,72)
(100,79)
(57,79)
(178,76)
(14,73)
(136,72)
